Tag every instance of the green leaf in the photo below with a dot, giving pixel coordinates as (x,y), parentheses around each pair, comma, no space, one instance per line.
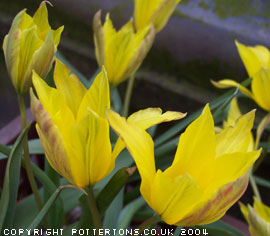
(112,188)
(212,231)
(113,212)
(221,227)
(34,148)
(86,221)
(128,212)
(177,231)
(56,213)
(116,100)
(11,182)
(262,182)
(35,223)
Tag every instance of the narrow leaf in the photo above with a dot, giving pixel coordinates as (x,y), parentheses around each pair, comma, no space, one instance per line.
(11,182)
(112,188)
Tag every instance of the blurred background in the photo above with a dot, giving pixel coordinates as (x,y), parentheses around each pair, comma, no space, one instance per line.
(198,44)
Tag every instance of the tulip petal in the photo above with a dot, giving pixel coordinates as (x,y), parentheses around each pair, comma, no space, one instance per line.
(153,116)
(232,166)
(69,86)
(233,114)
(145,119)
(51,139)
(119,49)
(227,83)
(41,20)
(173,198)
(29,43)
(163,13)
(261,86)
(237,138)
(57,35)
(196,145)
(209,210)
(50,98)
(97,98)
(12,48)
(144,10)
(141,147)
(262,210)
(253,57)
(41,60)
(90,149)
(143,46)
(99,38)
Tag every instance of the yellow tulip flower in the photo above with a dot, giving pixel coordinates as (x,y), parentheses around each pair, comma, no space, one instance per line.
(233,115)
(254,57)
(208,175)
(156,12)
(31,44)
(121,52)
(260,87)
(257,62)
(258,218)
(73,129)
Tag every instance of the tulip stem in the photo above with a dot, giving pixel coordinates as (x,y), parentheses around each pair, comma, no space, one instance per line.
(152,220)
(128,95)
(254,187)
(29,171)
(93,208)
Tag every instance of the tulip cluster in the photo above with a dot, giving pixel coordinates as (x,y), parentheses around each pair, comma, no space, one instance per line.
(210,171)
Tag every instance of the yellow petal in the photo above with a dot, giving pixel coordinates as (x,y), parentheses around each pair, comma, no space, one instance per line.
(12,48)
(99,38)
(260,86)
(69,86)
(90,149)
(41,61)
(153,116)
(97,98)
(51,139)
(196,145)
(173,198)
(145,119)
(233,114)
(57,35)
(253,57)
(230,167)
(41,20)
(211,209)
(141,147)
(144,10)
(227,83)
(237,138)
(119,49)
(163,13)
(144,43)
(29,44)
(262,210)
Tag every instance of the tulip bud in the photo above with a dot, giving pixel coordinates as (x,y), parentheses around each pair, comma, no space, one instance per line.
(258,218)
(156,12)
(121,52)
(30,45)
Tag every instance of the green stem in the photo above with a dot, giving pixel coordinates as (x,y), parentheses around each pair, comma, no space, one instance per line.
(29,172)
(152,220)
(128,95)
(93,208)
(254,187)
